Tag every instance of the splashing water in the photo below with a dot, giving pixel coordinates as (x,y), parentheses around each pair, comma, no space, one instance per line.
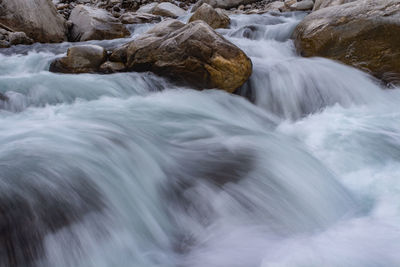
(130,170)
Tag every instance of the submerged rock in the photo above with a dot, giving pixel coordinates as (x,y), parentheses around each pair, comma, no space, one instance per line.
(216,18)
(38,19)
(192,53)
(362,34)
(30,210)
(80,59)
(95,24)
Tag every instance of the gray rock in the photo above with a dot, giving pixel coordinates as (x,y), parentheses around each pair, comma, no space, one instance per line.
(137,18)
(216,18)
(95,24)
(149,8)
(303,5)
(38,19)
(167,9)
(327,3)
(80,59)
(16,38)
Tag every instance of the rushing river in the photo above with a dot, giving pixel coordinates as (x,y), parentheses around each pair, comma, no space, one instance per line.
(130,170)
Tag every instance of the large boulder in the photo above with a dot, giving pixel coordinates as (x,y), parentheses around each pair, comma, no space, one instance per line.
(167,9)
(327,3)
(95,24)
(216,18)
(80,59)
(363,34)
(192,53)
(38,19)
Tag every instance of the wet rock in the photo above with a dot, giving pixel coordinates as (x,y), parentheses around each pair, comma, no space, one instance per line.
(326,3)
(95,24)
(192,53)
(80,59)
(138,18)
(362,34)
(216,18)
(112,67)
(38,19)
(167,9)
(119,54)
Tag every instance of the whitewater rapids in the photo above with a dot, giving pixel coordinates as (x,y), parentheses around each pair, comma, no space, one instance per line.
(129,170)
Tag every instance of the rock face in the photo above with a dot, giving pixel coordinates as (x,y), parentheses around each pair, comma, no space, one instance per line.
(192,53)
(95,24)
(216,18)
(167,9)
(363,34)
(137,18)
(80,59)
(38,19)
(326,3)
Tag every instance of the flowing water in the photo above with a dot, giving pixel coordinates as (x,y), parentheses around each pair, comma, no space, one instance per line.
(130,170)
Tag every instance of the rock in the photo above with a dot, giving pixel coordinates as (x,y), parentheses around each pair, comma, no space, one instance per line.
(167,9)
(303,5)
(362,34)
(276,6)
(4,44)
(16,38)
(326,3)
(225,4)
(95,24)
(119,54)
(138,18)
(112,67)
(192,53)
(149,8)
(38,19)
(216,18)
(80,59)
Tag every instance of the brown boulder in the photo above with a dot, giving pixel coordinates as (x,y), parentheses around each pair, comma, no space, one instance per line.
(216,18)
(363,34)
(192,53)
(80,59)
(95,24)
(38,19)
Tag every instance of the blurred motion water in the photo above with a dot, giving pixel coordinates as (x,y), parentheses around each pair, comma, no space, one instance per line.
(130,170)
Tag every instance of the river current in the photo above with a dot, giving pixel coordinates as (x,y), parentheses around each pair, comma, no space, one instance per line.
(300,168)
